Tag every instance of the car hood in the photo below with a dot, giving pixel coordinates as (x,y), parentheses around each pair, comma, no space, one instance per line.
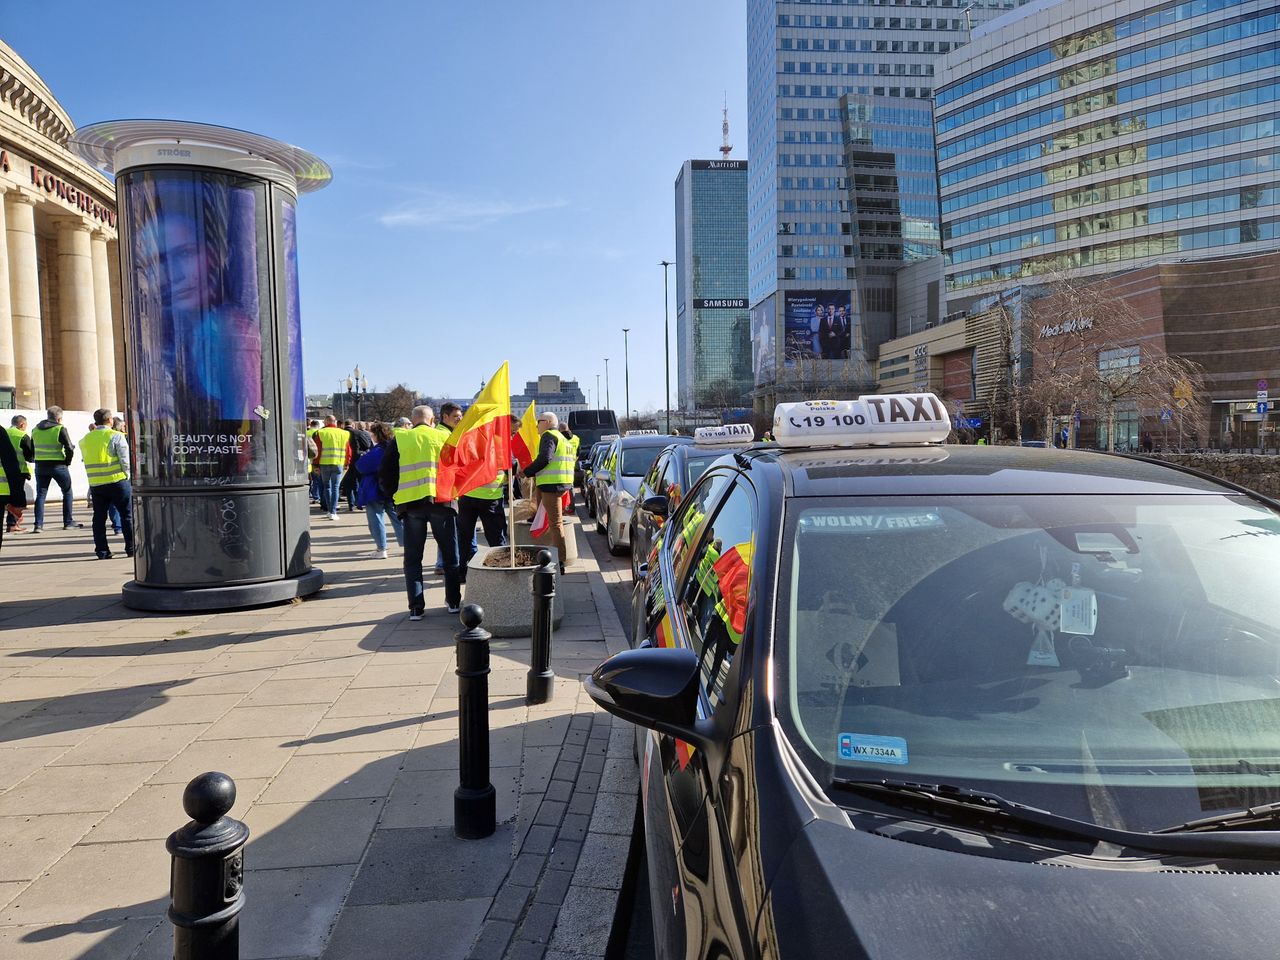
(849,893)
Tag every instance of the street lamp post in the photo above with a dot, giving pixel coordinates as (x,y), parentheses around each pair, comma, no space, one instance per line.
(606,383)
(666,336)
(626,372)
(356,384)
(597,389)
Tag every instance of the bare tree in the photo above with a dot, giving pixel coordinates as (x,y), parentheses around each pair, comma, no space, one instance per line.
(1095,355)
(396,402)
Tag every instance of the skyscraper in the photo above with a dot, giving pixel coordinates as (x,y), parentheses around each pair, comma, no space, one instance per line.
(812,326)
(713,334)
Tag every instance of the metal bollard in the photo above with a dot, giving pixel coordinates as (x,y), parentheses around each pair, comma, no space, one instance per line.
(475,801)
(206,881)
(541,679)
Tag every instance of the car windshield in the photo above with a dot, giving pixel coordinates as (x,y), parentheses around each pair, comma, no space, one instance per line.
(636,461)
(1115,659)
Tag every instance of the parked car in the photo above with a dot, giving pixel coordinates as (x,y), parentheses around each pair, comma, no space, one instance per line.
(675,471)
(592,462)
(906,700)
(624,466)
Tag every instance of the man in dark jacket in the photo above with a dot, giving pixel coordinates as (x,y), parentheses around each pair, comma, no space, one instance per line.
(54,454)
(13,494)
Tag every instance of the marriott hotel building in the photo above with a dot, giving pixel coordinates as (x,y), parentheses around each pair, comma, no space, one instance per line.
(60,317)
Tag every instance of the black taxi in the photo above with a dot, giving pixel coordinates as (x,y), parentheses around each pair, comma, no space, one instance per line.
(902,699)
(676,470)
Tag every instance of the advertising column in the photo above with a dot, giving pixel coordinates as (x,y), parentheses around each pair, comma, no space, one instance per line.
(213,351)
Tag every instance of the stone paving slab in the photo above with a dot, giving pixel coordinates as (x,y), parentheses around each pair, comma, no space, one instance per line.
(338,719)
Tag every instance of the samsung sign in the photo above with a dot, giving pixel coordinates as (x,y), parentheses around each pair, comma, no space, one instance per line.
(718,164)
(722,304)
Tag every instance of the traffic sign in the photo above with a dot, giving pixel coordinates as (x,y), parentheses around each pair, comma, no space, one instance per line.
(1166,415)
(1262,395)
(1182,390)
(1263,407)
(1180,403)
(1262,386)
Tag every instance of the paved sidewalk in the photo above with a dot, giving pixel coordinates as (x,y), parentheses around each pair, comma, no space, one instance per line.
(337,717)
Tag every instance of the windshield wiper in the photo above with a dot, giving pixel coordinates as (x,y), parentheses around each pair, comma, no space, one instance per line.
(1262,813)
(1174,841)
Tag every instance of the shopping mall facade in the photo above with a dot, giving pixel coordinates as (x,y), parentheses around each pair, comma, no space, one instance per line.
(60,315)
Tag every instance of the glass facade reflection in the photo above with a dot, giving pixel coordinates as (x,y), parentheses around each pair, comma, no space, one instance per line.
(1149,135)
(713,326)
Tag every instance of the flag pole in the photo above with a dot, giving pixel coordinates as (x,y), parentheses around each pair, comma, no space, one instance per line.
(511,514)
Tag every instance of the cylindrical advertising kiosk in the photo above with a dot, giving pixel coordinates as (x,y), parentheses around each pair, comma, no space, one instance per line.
(213,349)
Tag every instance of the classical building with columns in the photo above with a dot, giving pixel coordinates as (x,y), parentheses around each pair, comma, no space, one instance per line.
(61,340)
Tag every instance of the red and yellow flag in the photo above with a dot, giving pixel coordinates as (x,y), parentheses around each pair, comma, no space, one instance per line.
(480,446)
(525,443)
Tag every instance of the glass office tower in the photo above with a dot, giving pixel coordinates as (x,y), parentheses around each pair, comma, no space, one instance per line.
(1149,134)
(713,331)
(802,58)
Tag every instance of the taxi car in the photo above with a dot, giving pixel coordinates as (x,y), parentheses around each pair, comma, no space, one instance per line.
(676,470)
(901,699)
(623,467)
(590,464)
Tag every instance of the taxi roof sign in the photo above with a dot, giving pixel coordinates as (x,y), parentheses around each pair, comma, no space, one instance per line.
(740,433)
(879,419)
(650,432)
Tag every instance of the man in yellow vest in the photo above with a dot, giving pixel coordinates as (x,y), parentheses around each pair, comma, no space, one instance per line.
(25,450)
(54,454)
(333,459)
(552,473)
(106,460)
(13,493)
(313,472)
(408,475)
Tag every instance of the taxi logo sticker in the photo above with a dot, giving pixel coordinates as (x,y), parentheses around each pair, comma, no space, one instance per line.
(867,748)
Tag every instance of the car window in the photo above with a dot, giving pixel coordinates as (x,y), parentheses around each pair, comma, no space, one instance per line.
(714,592)
(687,524)
(636,461)
(1057,650)
(653,480)
(664,481)
(697,466)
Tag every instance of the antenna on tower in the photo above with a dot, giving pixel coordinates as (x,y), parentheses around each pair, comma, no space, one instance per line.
(726,147)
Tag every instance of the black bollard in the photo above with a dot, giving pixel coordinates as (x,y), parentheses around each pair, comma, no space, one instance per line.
(475,801)
(206,882)
(541,680)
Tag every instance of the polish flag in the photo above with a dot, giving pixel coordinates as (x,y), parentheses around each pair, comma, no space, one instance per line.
(541,522)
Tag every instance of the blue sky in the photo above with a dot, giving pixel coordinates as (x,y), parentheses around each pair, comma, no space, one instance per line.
(503,170)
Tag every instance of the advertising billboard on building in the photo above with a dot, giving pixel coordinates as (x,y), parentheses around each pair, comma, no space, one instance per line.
(763,352)
(817,324)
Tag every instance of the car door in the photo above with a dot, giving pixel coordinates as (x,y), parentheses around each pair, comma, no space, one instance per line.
(710,601)
(645,523)
(669,794)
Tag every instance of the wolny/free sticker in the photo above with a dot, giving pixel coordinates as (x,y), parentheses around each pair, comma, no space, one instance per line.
(872,749)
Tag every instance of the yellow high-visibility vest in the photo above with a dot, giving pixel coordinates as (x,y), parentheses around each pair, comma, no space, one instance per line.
(100,463)
(419,451)
(333,446)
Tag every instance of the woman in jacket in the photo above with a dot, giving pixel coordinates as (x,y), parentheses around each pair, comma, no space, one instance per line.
(370,497)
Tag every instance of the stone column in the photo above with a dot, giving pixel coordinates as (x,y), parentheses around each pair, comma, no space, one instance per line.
(24,299)
(78,326)
(8,375)
(107,391)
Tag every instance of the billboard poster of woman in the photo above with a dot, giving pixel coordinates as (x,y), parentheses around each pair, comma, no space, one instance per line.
(200,335)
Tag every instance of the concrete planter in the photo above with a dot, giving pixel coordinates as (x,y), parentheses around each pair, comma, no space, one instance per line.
(525,539)
(505,595)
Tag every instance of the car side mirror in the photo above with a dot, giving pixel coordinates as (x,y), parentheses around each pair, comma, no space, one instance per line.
(657,505)
(655,688)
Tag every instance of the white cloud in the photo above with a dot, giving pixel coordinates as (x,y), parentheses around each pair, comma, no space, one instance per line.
(449,212)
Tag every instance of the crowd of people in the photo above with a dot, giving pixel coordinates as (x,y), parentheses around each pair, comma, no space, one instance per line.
(390,471)
(45,455)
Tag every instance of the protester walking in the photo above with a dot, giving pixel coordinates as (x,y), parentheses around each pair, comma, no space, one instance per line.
(334,445)
(370,497)
(53,456)
(13,493)
(25,452)
(106,461)
(408,473)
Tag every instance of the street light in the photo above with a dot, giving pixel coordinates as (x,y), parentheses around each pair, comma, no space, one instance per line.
(626,372)
(606,383)
(666,339)
(597,390)
(357,383)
